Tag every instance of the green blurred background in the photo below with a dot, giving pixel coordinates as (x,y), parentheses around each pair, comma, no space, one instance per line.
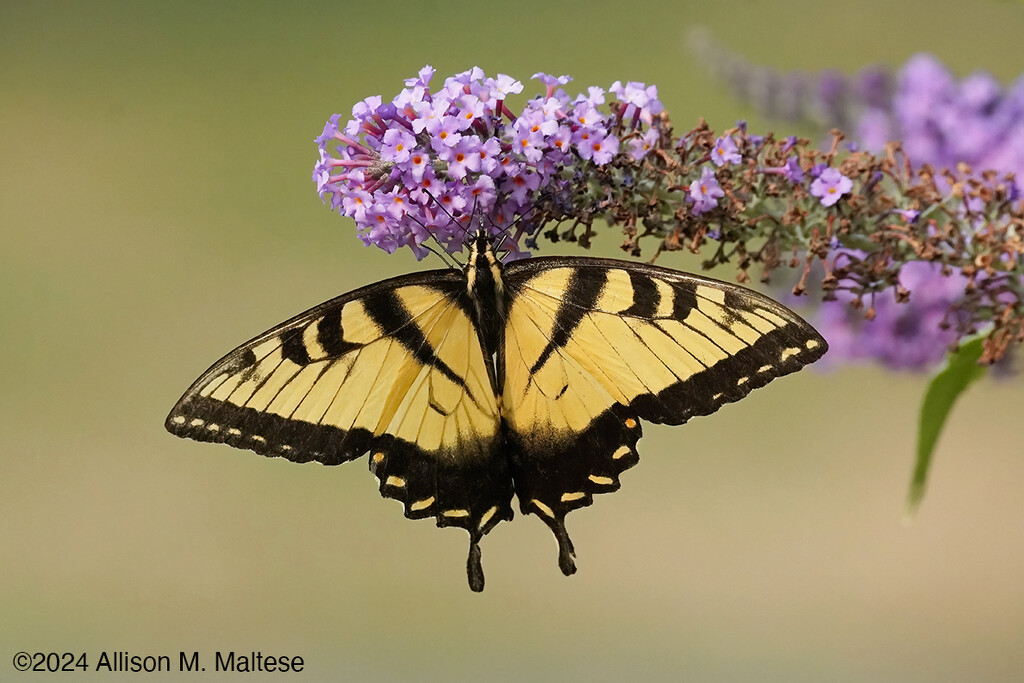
(156,209)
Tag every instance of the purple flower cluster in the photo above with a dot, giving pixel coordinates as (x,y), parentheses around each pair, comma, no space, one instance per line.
(943,122)
(907,335)
(424,164)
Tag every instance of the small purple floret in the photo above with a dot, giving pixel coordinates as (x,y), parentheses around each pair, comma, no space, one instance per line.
(830,185)
(725,152)
(705,192)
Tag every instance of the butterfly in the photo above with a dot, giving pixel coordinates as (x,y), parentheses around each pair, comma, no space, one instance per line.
(467,387)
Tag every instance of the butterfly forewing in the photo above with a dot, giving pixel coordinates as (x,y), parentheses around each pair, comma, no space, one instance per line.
(593,346)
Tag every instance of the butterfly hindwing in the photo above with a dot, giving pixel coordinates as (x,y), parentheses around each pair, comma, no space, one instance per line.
(395,369)
(593,346)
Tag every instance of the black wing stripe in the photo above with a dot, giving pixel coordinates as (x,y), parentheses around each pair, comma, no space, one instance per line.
(386,310)
(728,309)
(684,300)
(646,297)
(558,326)
(293,348)
(582,293)
(331,337)
(467,391)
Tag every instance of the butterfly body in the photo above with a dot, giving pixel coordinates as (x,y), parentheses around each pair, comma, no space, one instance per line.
(527,379)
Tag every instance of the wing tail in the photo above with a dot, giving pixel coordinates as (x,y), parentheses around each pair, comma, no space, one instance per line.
(558,472)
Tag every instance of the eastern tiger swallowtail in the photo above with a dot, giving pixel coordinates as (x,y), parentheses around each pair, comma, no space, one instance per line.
(465,387)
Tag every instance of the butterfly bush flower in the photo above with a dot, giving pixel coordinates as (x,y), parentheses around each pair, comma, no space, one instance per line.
(830,185)
(725,152)
(705,192)
(421,166)
(868,229)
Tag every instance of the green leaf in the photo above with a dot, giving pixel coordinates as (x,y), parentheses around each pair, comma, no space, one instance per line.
(958,370)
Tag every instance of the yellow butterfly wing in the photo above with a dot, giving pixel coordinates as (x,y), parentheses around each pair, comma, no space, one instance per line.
(592,346)
(396,370)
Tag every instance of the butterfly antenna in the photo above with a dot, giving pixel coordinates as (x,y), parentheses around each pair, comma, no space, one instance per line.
(467,238)
(506,232)
(522,217)
(443,253)
(453,219)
